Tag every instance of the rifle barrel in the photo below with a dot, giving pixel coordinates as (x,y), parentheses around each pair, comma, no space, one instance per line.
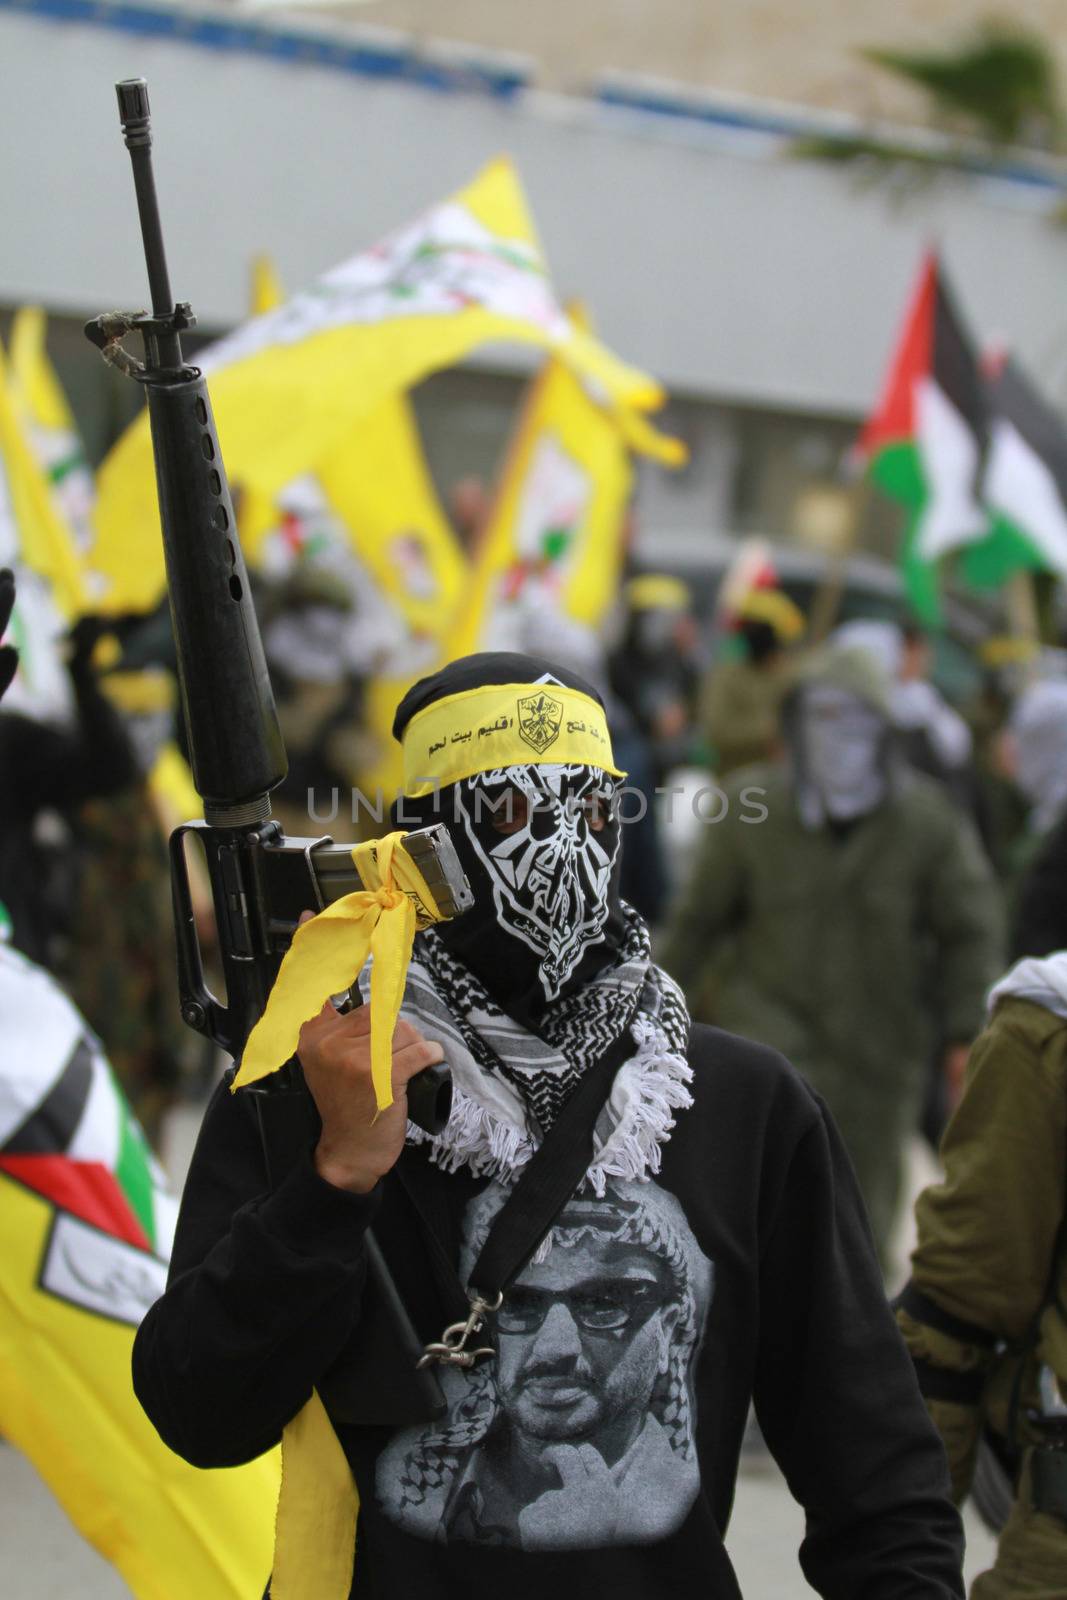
(135,117)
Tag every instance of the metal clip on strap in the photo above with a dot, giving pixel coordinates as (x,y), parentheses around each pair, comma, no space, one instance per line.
(451,1350)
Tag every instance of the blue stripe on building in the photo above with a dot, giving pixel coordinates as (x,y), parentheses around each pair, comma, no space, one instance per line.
(683,108)
(398,63)
(209,31)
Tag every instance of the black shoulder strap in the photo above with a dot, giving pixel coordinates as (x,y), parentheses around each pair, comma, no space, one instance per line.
(547,1182)
(549,1178)
(927,1311)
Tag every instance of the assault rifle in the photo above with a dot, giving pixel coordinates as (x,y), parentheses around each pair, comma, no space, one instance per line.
(261,880)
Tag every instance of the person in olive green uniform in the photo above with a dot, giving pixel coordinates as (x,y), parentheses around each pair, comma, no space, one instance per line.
(741,701)
(985,1312)
(817,929)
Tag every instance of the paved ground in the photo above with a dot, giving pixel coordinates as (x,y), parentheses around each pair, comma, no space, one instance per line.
(44,1559)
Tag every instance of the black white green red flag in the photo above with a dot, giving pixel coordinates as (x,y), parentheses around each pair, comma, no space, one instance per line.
(85,1234)
(1024,485)
(924,445)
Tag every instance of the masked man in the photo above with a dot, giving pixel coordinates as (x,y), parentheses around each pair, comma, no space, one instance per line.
(715,1250)
(820,921)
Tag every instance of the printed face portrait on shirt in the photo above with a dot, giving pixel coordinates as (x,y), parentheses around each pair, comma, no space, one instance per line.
(582,1339)
(581,1431)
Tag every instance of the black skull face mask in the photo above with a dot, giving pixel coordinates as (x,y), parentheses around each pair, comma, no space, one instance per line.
(538,838)
(540,846)
(547,839)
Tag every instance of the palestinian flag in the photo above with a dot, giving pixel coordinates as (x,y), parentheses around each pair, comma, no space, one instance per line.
(66,1131)
(85,1232)
(924,444)
(1025,482)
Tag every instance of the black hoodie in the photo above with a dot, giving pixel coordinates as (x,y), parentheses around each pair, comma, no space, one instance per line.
(590,1457)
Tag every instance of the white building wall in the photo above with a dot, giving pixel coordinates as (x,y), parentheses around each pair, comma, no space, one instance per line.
(733,273)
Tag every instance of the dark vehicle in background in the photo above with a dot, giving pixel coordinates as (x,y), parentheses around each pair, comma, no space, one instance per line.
(855,586)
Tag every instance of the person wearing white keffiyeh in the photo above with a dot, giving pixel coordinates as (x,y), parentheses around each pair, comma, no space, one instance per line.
(592,1444)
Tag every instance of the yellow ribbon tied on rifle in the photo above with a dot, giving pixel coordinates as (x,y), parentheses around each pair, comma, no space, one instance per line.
(327,955)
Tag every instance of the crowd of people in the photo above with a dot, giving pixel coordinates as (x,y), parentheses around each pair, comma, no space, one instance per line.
(872,860)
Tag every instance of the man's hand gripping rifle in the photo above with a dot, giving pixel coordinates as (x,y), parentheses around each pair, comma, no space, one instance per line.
(261,880)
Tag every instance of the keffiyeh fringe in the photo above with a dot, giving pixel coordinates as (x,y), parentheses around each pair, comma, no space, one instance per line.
(633,1126)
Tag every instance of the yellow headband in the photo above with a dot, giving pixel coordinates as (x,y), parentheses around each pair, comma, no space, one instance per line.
(503,725)
(1005,650)
(656,591)
(776,608)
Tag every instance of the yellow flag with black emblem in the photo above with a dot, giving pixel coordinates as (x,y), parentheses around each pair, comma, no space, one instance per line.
(373,496)
(288,387)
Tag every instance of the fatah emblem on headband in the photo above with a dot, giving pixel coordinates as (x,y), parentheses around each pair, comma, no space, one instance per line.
(540,719)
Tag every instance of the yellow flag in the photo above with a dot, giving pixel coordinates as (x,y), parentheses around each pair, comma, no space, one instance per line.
(85,1227)
(170,1530)
(36,544)
(555,534)
(33,375)
(380,488)
(374,498)
(173,790)
(50,430)
(288,387)
(36,534)
(257,513)
(50,427)
(267,291)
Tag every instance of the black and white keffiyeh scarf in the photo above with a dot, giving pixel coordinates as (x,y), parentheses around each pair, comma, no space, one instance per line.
(510,1083)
